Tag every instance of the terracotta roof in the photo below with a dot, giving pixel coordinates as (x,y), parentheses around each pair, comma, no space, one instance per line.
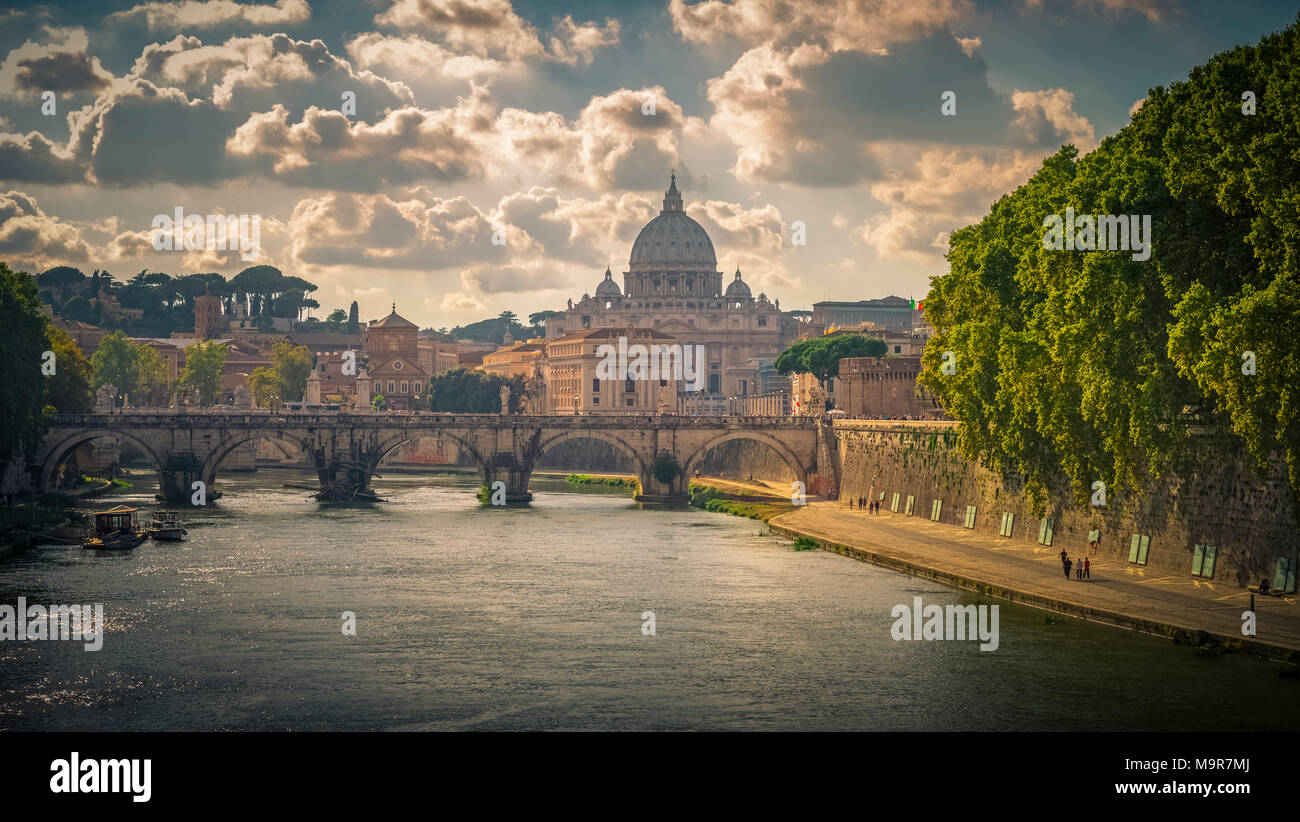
(393,320)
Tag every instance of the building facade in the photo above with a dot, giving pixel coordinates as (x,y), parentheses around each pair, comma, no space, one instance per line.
(673,286)
(392,350)
(575,383)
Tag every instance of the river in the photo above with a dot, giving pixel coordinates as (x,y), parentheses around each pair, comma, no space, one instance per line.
(531,618)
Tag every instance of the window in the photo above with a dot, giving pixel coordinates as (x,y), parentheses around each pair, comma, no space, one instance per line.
(595,384)
(970,516)
(1137,549)
(1044,531)
(1008,523)
(1203,561)
(762,322)
(911,504)
(898,349)
(1284,575)
(936,508)
(595,400)
(893,504)
(406,387)
(391,389)
(715,383)
(629,402)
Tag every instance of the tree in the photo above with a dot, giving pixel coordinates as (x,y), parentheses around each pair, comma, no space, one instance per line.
(61,278)
(286,378)
(820,356)
(205,363)
(151,376)
(337,320)
(116,362)
(378,403)
(69,387)
(22,347)
(354,319)
(666,468)
(463,391)
(1094,365)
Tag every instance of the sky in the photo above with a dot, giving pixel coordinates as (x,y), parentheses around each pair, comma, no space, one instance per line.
(464,157)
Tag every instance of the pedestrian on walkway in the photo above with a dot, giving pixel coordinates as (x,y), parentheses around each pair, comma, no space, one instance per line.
(1078,570)
(850,503)
(1064,556)
(1087,568)
(1067,565)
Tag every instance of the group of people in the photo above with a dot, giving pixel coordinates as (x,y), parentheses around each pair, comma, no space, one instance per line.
(865,504)
(1082,568)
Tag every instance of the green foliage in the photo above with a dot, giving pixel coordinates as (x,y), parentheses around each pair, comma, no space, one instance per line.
(68,390)
(805,544)
(1093,365)
(116,362)
(616,482)
(379,403)
(22,344)
(204,363)
(495,329)
(465,391)
(285,380)
(820,356)
(666,468)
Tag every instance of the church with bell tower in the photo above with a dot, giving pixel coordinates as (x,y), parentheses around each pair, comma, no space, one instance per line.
(672,285)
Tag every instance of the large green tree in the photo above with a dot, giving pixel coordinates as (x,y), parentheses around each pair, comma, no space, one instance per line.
(69,386)
(204,363)
(23,344)
(465,391)
(286,378)
(1094,365)
(820,356)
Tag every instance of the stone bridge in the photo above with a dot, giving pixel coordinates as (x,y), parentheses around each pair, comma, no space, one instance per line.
(346,448)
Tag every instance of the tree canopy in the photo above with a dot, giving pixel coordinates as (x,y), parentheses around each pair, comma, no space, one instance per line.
(820,356)
(1093,365)
(22,347)
(463,391)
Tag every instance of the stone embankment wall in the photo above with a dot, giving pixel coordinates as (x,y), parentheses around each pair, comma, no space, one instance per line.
(1221,502)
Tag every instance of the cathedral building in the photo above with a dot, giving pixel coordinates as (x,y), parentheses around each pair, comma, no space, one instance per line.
(673,286)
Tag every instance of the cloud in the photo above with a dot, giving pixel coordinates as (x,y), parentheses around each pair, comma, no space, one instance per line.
(492,29)
(1157,11)
(422,232)
(62,65)
(841,25)
(813,117)
(935,192)
(191,14)
(36,159)
(327,150)
(32,240)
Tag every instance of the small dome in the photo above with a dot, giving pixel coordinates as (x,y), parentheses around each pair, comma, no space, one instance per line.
(738,290)
(607,287)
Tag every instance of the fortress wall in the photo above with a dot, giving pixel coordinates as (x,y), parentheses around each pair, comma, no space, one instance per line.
(1220,502)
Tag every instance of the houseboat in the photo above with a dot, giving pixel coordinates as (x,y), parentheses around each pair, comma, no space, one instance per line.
(115,530)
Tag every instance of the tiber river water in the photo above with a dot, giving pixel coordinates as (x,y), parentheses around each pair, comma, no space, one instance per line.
(531,619)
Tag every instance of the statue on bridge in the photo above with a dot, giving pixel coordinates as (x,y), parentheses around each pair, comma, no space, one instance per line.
(105,397)
(243,396)
(505,399)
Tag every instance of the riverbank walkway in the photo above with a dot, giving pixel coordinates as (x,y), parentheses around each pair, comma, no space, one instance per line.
(1119,594)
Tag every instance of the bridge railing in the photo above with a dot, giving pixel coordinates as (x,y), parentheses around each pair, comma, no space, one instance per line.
(382,419)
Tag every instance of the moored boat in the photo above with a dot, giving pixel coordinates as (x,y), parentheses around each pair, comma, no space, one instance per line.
(166,526)
(115,530)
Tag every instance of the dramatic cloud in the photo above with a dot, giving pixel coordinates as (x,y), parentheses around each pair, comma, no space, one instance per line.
(31,240)
(492,29)
(191,14)
(62,65)
(811,117)
(838,25)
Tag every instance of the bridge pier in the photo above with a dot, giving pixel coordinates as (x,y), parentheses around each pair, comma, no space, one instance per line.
(504,467)
(176,480)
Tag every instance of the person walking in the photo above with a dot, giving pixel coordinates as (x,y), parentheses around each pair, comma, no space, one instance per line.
(850,503)
(1087,568)
(1078,570)
(1066,565)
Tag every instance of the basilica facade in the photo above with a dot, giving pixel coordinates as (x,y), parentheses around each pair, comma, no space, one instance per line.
(673,286)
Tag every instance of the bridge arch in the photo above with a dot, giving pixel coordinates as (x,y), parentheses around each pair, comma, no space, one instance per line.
(212,461)
(395,441)
(642,470)
(56,453)
(791,459)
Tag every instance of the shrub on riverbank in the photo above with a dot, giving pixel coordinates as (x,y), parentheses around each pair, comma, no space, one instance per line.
(805,544)
(616,482)
(712,499)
